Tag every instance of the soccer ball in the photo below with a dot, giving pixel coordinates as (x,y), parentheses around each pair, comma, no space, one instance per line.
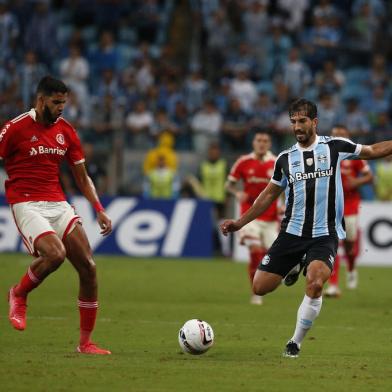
(196,337)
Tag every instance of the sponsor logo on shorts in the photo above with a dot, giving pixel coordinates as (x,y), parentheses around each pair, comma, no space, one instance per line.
(331,259)
(47,150)
(266,260)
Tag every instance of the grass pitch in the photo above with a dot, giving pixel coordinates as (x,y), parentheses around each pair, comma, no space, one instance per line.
(145,302)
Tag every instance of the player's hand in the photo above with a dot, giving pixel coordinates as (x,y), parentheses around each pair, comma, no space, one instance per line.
(104,222)
(351,183)
(229,226)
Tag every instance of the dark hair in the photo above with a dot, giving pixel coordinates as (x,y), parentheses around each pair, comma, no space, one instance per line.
(49,85)
(259,131)
(303,105)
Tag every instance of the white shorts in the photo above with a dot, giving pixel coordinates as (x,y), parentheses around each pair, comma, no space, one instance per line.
(351,227)
(259,233)
(35,219)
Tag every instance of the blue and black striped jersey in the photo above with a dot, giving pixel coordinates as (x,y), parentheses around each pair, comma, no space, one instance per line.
(313,186)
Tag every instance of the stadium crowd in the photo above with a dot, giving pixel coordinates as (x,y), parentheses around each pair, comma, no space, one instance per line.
(132,82)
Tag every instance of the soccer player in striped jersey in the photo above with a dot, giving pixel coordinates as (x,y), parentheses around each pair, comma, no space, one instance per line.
(309,174)
(355,173)
(255,170)
(33,146)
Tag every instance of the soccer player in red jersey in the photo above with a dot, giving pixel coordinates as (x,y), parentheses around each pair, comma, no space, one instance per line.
(354,174)
(255,171)
(33,145)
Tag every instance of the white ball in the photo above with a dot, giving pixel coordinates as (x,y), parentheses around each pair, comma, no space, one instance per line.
(196,337)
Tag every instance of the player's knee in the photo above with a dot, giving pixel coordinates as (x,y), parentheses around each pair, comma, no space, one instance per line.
(314,288)
(56,257)
(259,288)
(89,270)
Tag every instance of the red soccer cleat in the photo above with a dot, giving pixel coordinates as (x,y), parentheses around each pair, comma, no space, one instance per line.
(92,348)
(17,311)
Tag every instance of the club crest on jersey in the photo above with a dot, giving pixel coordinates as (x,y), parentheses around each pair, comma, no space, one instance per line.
(60,138)
(322,158)
(34,139)
(309,161)
(299,176)
(266,260)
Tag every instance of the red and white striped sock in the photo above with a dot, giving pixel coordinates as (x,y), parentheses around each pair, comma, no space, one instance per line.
(88,313)
(28,282)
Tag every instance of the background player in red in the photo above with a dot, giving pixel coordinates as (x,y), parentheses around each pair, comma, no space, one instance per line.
(33,145)
(354,174)
(255,171)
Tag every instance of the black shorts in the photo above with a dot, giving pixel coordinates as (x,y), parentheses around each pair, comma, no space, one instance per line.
(288,250)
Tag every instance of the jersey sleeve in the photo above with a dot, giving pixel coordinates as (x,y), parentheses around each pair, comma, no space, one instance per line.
(74,153)
(279,178)
(5,140)
(235,172)
(346,148)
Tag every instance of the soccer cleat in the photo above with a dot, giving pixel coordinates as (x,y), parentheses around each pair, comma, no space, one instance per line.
(293,275)
(92,348)
(292,350)
(333,291)
(17,310)
(352,279)
(256,299)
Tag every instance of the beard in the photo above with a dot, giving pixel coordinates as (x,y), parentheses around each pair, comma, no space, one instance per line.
(48,117)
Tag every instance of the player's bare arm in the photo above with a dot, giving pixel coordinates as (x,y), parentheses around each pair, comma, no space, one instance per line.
(378,150)
(86,186)
(231,188)
(263,201)
(366,177)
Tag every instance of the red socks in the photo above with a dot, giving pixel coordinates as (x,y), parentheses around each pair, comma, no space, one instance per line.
(334,278)
(88,313)
(28,282)
(255,258)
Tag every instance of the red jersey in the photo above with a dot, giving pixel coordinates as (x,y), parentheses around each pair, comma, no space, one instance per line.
(255,175)
(352,197)
(32,154)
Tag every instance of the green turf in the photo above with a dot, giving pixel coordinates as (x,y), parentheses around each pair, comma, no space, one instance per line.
(143,305)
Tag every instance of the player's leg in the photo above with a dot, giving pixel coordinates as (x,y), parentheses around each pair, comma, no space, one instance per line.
(351,250)
(250,237)
(333,290)
(42,241)
(321,255)
(80,255)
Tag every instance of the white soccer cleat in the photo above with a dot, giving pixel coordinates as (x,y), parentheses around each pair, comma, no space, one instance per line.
(352,279)
(256,299)
(333,291)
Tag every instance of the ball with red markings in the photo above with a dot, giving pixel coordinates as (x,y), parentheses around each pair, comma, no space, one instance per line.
(196,337)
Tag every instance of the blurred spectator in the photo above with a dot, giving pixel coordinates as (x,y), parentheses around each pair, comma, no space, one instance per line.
(107,123)
(295,74)
(235,127)
(327,114)
(30,73)
(9,32)
(73,112)
(164,148)
(375,103)
(162,124)
(144,75)
(264,113)
(329,79)
(256,22)
(244,89)
(139,122)
(355,119)
(206,126)
(147,19)
(161,182)
(383,178)
(382,128)
(180,118)
(294,13)
(74,71)
(195,90)
(378,72)
(106,56)
(41,32)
